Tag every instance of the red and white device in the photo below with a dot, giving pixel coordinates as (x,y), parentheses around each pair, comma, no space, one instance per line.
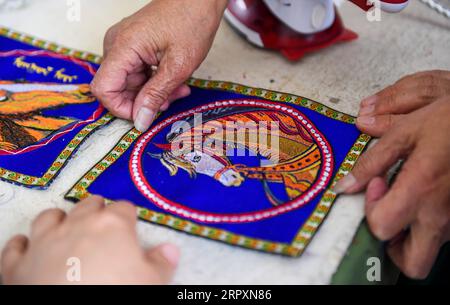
(295,27)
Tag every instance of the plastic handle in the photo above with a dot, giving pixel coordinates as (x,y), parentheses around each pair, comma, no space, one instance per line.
(391,6)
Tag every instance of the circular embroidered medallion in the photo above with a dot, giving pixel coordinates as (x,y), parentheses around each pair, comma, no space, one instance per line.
(233,161)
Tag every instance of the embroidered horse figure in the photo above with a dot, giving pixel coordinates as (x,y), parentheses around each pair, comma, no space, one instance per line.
(298,157)
(21,104)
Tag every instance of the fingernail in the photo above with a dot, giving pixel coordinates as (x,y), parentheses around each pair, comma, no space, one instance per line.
(171,253)
(344,184)
(369,101)
(144,119)
(366,109)
(366,120)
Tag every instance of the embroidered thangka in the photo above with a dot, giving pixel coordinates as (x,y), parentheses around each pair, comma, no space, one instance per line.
(241,165)
(46,107)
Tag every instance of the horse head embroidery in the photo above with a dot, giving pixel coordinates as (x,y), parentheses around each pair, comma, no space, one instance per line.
(21,105)
(298,157)
(197,162)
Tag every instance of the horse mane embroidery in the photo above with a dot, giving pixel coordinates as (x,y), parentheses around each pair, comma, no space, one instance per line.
(298,157)
(22,122)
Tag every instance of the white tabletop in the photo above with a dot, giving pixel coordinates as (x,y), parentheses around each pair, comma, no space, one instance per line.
(417,39)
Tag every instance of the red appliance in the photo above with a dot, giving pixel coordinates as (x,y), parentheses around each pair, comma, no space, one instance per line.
(296,27)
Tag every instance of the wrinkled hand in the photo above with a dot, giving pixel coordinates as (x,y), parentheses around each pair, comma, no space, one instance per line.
(381,111)
(149,55)
(413,214)
(101,239)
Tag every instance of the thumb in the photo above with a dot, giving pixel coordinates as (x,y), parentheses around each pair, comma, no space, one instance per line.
(157,91)
(163,260)
(376,161)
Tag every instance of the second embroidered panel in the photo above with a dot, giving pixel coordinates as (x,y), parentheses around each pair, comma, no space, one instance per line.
(46,108)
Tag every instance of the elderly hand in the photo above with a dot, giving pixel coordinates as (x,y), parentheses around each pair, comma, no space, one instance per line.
(100,240)
(149,55)
(382,110)
(413,118)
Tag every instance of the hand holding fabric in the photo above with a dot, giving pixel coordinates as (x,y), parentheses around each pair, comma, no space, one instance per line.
(93,244)
(413,119)
(149,55)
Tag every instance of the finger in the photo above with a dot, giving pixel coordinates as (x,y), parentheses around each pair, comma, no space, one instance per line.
(110,81)
(378,125)
(170,75)
(108,41)
(179,93)
(377,160)
(165,106)
(396,211)
(415,254)
(125,210)
(47,221)
(12,253)
(135,81)
(405,97)
(108,84)
(427,76)
(376,189)
(163,260)
(90,205)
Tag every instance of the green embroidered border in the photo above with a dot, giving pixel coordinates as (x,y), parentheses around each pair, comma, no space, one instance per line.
(273,96)
(305,234)
(65,155)
(60,161)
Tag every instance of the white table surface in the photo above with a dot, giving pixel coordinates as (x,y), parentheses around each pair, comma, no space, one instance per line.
(417,39)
